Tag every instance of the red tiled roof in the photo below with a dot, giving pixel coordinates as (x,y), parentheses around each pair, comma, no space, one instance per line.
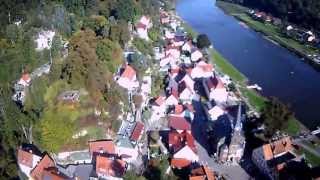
(175,92)
(26,77)
(178,140)
(202,172)
(53,174)
(45,162)
(205,66)
(160,100)
(110,167)
(180,163)
(137,131)
(104,146)
(178,109)
(220,84)
(174,70)
(129,72)
(141,25)
(25,158)
(179,123)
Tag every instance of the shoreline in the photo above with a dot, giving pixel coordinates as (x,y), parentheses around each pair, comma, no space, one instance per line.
(303,56)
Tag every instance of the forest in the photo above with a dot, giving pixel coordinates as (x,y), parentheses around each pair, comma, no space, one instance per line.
(304,13)
(97,31)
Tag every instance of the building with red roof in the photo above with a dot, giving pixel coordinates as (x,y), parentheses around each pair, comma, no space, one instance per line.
(102,146)
(25,80)
(128,78)
(38,172)
(27,160)
(202,173)
(137,131)
(107,168)
(183,149)
(179,123)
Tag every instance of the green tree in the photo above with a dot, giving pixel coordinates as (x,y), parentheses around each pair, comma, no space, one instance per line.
(110,53)
(203,41)
(275,116)
(127,10)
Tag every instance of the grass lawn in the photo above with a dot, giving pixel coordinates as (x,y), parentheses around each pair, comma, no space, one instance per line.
(312,159)
(273,32)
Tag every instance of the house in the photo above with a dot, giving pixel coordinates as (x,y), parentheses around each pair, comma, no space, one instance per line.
(185,93)
(219,95)
(202,70)
(168,59)
(137,132)
(44,40)
(174,51)
(126,150)
(187,46)
(164,17)
(25,80)
(215,112)
(188,81)
(52,173)
(109,167)
(202,173)
(196,54)
(27,160)
(179,123)
(142,27)
(128,78)
(38,172)
(168,35)
(185,111)
(271,158)
(178,40)
(183,149)
(173,97)
(102,147)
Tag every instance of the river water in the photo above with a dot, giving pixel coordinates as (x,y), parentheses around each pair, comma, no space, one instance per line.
(278,71)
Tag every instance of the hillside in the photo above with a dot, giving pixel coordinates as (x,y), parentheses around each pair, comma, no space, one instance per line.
(75,98)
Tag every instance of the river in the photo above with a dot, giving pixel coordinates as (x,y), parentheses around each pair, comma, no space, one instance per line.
(278,71)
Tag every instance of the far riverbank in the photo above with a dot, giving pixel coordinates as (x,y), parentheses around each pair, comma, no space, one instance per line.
(270,32)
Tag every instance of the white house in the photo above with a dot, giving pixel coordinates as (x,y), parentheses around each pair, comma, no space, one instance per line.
(27,161)
(196,54)
(44,40)
(168,34)
(187,46)
(186,153)
(219,95)
(25,80)
(128,78)
(202,70)
(173,98)
(142,27)
(168,59)
(174,51)
(188,81)
(215,112)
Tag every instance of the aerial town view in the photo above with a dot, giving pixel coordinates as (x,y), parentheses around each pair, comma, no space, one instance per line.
(159,89)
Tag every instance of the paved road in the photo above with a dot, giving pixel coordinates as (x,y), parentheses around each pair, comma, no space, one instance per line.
(230,172)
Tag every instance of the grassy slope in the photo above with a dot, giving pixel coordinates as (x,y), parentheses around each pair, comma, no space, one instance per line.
(273,32)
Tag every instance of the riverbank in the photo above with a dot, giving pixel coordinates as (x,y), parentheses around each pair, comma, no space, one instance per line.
(254,100)
(271,32)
